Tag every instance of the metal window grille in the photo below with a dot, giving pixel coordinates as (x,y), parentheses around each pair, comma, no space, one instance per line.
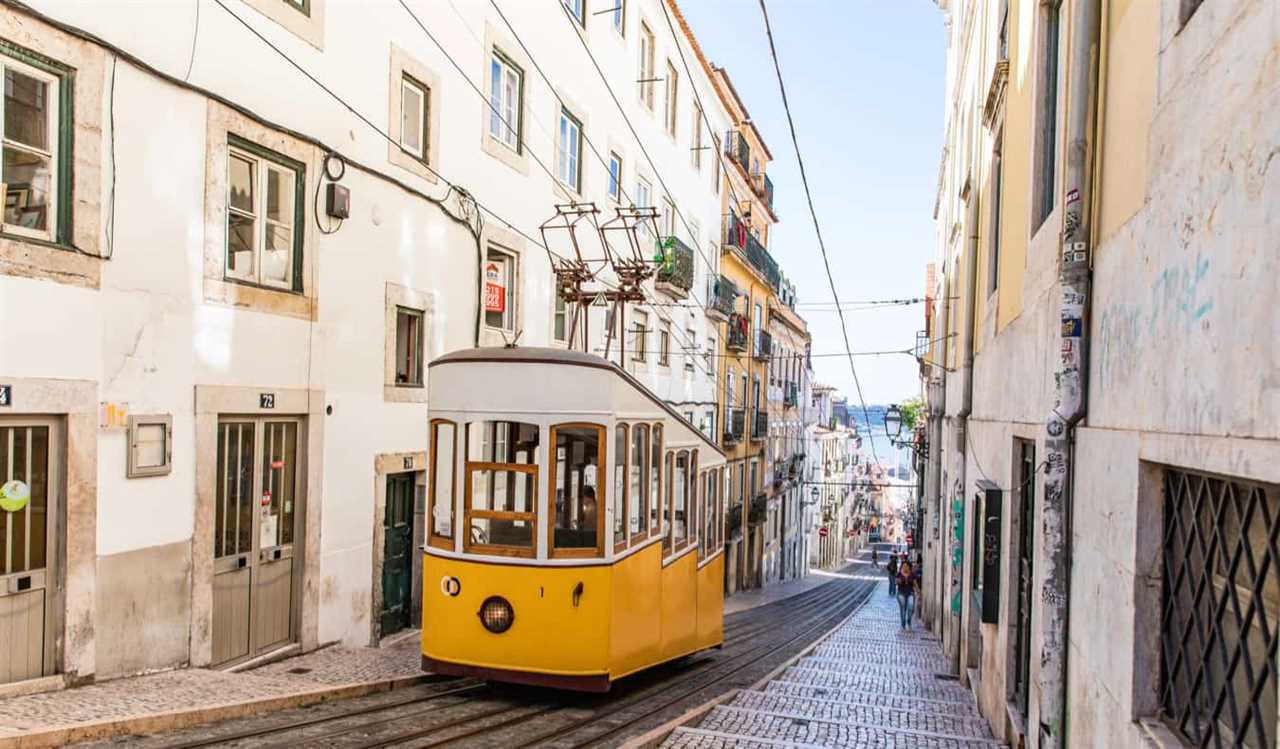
(1221,597)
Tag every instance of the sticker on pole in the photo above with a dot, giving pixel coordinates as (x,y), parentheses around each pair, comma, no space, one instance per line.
(14,496)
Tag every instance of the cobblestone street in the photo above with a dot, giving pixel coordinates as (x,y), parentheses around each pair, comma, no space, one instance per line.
(870,684)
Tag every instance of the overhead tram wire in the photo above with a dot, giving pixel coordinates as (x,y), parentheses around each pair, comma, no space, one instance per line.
(675,329)
(804,179)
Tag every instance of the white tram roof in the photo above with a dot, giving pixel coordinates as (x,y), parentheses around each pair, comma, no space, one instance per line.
(537,384)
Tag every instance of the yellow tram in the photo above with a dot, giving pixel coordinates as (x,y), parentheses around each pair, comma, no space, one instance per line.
(575,528)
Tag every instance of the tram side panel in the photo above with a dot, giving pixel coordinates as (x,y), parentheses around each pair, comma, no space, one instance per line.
(636,626)
(551,632)
(679,607)
(711,603)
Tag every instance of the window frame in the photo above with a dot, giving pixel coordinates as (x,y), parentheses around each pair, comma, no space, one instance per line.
(657,439)
(61,141)
(559,311)
(997,195)
(614,184)
(468,511)
(619,19)
(567,156)
(648,67)
(512,286)
(433,476)
(665,517)
(506,64)
(602,454)
(643,500)
(419,346)
(664,345)
(623,517)
(302,6)
(424,120)
(671,112)
(1047,111)
(262,158)
(577,10)
(696,148)
(640,334)
(135,471)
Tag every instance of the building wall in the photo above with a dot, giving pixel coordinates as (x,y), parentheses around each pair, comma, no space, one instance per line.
(154,323)
(1184,205)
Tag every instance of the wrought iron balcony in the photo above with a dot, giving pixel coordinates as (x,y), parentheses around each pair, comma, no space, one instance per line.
(764,345)
(735,425)
(721,293)
(738,333)
(760,425)
(738,236)
(675,275)
(763,186)
(736,147)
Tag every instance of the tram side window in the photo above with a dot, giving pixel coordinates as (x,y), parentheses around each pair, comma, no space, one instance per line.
(620,446)
(444,442)
(692,503)
(577,489)
(680,501)
(666,503)
(638,507)
(655,481)
(501,486)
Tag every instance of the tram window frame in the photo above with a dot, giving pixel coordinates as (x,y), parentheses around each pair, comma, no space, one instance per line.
(602,499)
(622,495)
(656,444)
(679,497)
(433,538)
(469,512)
(665,518)
(641,495)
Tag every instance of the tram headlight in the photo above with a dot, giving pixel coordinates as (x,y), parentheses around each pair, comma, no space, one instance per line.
(496,614)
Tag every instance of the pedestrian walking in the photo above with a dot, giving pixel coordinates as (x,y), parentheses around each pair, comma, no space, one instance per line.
(875,557)
(906,584)
(892,568)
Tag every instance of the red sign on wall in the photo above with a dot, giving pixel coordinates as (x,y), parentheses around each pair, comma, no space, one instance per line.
(822,532)
(495,293)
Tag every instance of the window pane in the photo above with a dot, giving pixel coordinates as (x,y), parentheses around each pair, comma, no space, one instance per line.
(637,510)
(241,174)
(26,109)
(561,322)
(502,442)
(29,178)
(497,290)
(150,447)
(276,254)
(240,246)
(655,479)
(512,107)
(619,483)
(442,466)
(679,499)
(502,532)
(279,195)
(411,120)
(495,99)
(577,487)
(408,347)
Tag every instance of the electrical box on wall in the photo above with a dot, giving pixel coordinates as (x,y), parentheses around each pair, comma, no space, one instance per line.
(989,506)
(337,201)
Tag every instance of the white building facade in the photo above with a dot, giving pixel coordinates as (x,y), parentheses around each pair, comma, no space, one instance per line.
(225,264)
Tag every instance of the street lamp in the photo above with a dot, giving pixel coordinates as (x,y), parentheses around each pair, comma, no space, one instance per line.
(893,423)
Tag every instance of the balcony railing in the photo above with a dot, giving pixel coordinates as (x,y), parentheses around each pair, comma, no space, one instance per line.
(675,275)
(735,425)
(764,345)
(738,336)
(763,186)
(790,394)
(721,293)
(737,235)
(760,425)
(736,147)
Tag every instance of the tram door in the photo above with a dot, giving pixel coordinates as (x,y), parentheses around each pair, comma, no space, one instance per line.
(397,557)
(255,526)
(28,523)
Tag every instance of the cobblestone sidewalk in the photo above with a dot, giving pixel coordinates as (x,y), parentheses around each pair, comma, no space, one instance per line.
(869,685)
(188,694)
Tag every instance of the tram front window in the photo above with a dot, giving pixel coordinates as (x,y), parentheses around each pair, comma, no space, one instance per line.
(578,497)
(502,487)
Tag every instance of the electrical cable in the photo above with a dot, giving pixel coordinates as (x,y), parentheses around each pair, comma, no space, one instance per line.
(804,179)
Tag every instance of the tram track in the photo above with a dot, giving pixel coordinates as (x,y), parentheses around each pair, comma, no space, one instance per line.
(467,713)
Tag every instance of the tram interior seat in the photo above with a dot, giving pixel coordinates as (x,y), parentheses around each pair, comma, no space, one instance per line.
(509,534)
(572,538)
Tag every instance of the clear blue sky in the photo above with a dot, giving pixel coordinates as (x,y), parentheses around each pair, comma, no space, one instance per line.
(865,83)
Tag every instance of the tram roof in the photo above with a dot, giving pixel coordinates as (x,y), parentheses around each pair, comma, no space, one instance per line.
(563,357)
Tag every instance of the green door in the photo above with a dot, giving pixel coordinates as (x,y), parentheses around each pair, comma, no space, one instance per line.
(397,557)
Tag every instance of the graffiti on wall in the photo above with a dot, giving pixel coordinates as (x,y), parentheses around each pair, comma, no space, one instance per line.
(957,548)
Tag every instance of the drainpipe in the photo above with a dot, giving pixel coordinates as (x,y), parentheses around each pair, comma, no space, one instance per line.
(966,393)
(1072,376)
